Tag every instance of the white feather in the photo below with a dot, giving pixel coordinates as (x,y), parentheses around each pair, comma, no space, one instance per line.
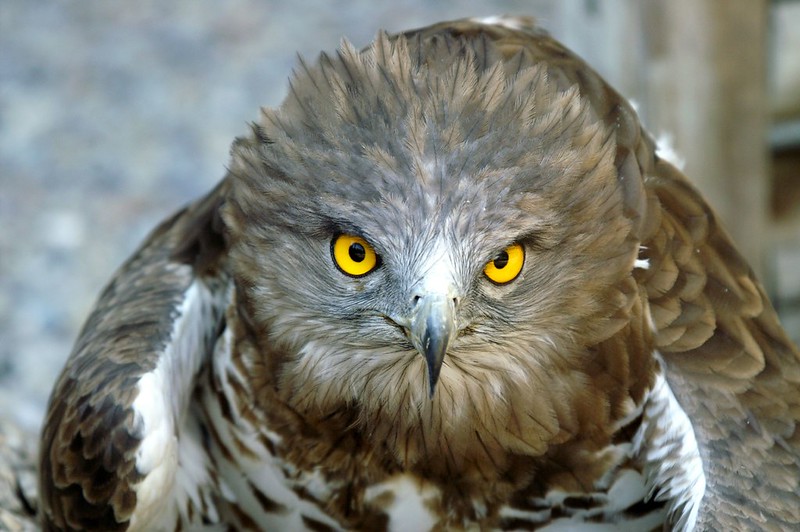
(257,469)
(667,444)
(410,504)
(514,23)
(666,150)
(170,455)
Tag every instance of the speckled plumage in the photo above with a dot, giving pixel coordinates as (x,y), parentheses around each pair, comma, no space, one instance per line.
(634,372)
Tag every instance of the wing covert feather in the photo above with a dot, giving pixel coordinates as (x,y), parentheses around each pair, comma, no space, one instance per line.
(729,363)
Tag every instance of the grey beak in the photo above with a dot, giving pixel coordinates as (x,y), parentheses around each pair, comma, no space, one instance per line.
(433,325)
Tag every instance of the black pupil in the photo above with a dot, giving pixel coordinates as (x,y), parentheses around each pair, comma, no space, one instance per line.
(357,252)
(501,261)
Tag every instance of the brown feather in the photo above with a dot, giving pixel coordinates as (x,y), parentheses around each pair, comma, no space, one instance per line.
(732,367)
(490,134)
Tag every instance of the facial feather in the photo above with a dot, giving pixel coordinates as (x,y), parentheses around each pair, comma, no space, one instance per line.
(411,156)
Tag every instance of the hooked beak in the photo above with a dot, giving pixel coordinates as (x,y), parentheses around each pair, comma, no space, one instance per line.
(433,326)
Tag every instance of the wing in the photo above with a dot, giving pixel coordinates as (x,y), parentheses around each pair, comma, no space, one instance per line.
(110,449)
(727,359)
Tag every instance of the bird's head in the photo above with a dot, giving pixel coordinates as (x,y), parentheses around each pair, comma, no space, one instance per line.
(432,233)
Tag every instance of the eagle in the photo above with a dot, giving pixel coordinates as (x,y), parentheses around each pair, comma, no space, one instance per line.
(449,283)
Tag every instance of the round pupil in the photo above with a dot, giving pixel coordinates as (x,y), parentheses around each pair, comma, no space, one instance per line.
(501,261)
(357,252)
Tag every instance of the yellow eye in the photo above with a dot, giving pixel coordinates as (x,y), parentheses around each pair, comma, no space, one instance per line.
(505,267)
(353,255)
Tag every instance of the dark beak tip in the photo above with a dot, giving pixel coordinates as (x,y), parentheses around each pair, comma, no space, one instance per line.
(434,359)
(433,378)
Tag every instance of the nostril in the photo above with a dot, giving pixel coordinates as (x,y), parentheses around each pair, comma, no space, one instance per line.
(415,301)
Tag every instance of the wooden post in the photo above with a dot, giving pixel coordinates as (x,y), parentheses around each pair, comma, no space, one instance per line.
(706,70)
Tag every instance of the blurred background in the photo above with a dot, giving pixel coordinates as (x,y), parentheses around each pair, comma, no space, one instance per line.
(114,114)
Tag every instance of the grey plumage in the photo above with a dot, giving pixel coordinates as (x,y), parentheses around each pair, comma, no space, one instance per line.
(292,389)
